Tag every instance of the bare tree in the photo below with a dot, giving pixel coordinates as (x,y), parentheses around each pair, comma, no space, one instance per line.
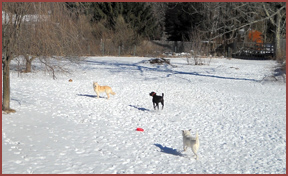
(12,21)
(276,13)
(124,36)
(223,20)
(159,10)
(199,49)
(36,30)
(50,31)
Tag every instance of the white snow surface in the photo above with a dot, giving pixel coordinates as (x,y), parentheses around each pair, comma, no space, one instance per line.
(60,127)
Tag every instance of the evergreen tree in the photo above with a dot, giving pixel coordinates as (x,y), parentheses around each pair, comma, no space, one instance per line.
(106,11)
(181,19)
(140,17)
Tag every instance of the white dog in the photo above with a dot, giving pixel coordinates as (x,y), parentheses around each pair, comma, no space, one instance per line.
(189,141)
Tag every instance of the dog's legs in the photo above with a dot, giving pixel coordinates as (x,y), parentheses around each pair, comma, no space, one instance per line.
(107,95)
(154,106)
(162,102)
(195,153)
(97,94)
(157,105)
(184,147)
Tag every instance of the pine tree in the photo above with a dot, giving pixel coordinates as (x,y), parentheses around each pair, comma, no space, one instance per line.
(107,11)
(138,16)
(141,19)
(181,19)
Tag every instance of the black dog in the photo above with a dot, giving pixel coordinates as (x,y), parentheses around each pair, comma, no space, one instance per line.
(156,99)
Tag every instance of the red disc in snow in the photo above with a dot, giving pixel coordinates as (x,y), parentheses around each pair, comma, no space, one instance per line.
(139,129)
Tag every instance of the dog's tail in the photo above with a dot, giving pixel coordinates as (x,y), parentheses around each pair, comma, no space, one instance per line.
(197,139)
(162,94)
(113,93)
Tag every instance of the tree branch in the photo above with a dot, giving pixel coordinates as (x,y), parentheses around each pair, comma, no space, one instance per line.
(248,24)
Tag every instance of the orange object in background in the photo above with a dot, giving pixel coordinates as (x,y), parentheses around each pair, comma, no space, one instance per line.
(255,36)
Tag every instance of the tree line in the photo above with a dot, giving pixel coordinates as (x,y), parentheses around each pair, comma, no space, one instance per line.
(129,23)
(45,30)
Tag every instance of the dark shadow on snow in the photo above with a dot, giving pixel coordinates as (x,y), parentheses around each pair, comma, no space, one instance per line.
(123,67)
(86,95)
(168,150)
(140,109)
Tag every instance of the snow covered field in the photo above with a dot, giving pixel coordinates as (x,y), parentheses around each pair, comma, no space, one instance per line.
(61,126)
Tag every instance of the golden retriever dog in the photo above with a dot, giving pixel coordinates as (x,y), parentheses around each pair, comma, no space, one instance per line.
(190,141)
(98,89)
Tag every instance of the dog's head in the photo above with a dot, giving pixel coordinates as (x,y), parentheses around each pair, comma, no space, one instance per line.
(95,84)
(152,94)
(186,132)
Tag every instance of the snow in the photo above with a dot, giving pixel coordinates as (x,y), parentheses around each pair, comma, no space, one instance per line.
(60,127)
(6,17)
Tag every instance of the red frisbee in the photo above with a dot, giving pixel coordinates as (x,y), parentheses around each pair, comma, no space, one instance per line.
(139,129)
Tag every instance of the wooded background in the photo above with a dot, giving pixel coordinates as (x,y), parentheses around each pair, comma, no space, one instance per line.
(128,28)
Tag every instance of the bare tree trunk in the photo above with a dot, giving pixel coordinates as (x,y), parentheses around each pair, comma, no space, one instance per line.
(10,33)
(279,10)
(6,85)
(28,68)
(278,52)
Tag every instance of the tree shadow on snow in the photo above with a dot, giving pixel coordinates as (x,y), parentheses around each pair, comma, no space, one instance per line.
(124,67)
(140,109)
(168,150)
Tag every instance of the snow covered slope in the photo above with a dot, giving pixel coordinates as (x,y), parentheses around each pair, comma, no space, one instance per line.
(61,126)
